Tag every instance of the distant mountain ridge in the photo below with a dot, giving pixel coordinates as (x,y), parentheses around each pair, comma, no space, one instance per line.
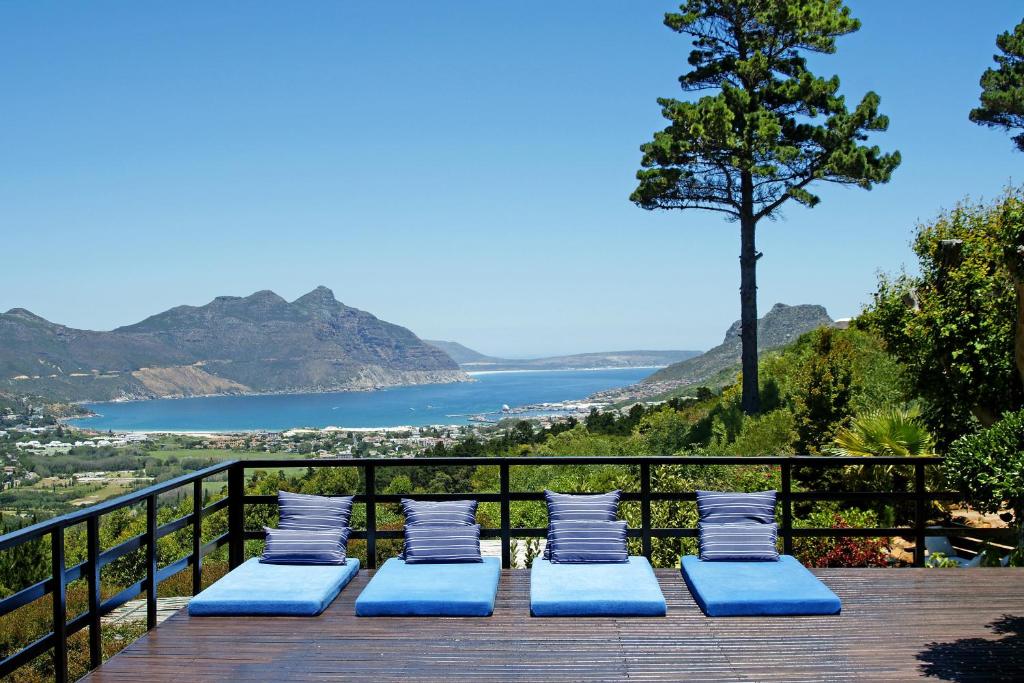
(471,360)
(719,365)
(255,344)
(780,326)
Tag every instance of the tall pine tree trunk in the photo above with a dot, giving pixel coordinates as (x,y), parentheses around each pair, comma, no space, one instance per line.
(748,298)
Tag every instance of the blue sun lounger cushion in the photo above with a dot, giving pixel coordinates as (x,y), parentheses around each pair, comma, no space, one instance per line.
(587,540)
(602,507)
(400,589)
(289,546)
(751,542)
(728,589)
(439,513)
(260,589)
(437,544)
(610,589)
(301,511)
(730,508)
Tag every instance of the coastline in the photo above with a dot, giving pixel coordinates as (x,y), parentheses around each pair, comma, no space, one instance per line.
(474,373)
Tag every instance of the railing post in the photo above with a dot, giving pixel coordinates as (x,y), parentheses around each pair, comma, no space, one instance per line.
(787,507)
(645,508)
(60,606)
(197,536)
(506,517)
(92,542)
(236,515)
(150,561)
(920,514)
(371,516)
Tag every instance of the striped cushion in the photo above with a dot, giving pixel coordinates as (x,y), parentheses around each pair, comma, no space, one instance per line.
(443,513)
(602,507)
(313,513)
(587,541)
(290,546)
(457,543)
(750,541)
(734,508)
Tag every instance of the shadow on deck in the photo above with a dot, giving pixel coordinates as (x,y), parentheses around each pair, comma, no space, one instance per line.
(959,625)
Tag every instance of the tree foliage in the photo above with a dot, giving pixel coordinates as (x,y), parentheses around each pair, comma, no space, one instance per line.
(989,465)
(953,326)
(770,129)
(1002,88)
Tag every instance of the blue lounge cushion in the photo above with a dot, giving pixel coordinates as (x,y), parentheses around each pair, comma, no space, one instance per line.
(313,513)
(462,589)
(439,513)
(722,507)
(749,542)
(438,544)
(256,588)
(592,590)
(587,540)
(299,546)
(575,507)
(729,589)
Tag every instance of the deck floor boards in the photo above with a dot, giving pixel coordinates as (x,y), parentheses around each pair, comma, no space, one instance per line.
(899,624)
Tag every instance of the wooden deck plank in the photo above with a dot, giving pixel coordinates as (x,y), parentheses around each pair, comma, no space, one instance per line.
(896,625)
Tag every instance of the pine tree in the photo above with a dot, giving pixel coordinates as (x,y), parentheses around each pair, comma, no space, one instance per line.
(1002,88)
(770,129)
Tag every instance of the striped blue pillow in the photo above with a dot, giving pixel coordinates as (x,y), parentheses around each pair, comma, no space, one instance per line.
(735,508)
(601,507)
(428,544)
(291,546)
(745,542)
(587,541)
(304,512)
(439,513)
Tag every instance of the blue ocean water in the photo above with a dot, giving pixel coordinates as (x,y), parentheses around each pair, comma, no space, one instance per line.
(414,406)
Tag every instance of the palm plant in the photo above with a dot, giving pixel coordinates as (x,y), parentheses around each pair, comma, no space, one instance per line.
(887,432)
(890,431)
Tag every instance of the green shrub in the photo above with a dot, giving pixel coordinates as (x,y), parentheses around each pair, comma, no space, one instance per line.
(988,466)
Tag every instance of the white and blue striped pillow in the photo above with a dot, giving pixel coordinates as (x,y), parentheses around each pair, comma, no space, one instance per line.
(427,544)
(738,542)
(301,546)
(300,511)
(601,507)
(735,508)
(439,513)
(587,541)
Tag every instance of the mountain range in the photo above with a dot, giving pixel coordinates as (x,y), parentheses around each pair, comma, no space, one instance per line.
(472,361)
(719,365)
(260,343)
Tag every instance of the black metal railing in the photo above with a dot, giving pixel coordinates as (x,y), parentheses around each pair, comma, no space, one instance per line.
(89,569)
(237,500)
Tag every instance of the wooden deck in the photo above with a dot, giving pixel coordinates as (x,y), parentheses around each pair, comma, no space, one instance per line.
(943,624)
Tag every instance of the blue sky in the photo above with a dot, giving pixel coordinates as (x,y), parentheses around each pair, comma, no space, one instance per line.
(459,168)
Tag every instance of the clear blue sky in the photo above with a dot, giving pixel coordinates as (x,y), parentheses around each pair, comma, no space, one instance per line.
(461,168)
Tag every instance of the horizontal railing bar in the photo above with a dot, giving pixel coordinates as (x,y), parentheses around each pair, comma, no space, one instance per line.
(215,506)
(79,516)
(172,526)
(121,549)
(210,546)
(38,590)
(179,565)
(797,460)
(121,598)
(26,654)
(25,596)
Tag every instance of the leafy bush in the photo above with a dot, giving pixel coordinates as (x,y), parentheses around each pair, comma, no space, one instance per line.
(953,325)
(988,466)
(848,551)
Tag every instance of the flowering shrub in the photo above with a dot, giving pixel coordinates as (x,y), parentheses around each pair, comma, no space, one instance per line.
(847,551)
